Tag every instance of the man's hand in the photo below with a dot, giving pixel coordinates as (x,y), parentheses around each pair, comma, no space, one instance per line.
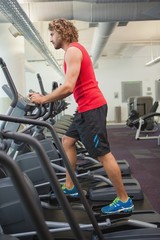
(36,98)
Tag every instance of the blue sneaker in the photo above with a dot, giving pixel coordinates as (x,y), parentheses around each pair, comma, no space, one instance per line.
(70,192)
(117,206)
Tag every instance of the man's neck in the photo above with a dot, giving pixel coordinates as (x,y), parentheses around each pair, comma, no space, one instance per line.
(65,46)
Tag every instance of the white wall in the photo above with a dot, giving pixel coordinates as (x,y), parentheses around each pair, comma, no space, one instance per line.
(111,72)
(12,53)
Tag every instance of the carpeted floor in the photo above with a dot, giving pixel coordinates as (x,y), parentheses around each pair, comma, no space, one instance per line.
(143,157)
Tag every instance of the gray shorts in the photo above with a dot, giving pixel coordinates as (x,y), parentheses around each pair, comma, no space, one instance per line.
(90,128)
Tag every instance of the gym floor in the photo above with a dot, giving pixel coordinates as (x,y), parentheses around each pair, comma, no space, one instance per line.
(143,157)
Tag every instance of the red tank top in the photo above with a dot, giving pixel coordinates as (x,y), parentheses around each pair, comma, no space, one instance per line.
(86,92)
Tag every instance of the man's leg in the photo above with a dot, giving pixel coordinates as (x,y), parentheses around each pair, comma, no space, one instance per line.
(114,174)
(70,150)
(122,202)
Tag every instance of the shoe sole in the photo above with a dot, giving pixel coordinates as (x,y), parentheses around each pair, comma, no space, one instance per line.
(76,195)
(126,210)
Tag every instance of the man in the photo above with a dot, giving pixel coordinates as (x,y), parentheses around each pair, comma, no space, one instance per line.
(89,124)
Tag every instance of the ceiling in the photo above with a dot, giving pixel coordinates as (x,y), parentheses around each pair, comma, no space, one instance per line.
(109,28)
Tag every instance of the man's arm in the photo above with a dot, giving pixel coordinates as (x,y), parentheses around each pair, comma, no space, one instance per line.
(73,60)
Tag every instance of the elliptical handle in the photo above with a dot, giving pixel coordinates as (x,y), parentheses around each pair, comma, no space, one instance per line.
(10,83)
(41,84)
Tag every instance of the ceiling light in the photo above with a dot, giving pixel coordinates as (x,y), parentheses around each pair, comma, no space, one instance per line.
(14,31)
(156,60)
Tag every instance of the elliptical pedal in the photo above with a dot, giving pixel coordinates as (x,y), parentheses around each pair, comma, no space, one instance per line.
(102,191)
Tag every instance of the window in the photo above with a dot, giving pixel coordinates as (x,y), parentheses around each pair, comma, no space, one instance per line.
(130,89)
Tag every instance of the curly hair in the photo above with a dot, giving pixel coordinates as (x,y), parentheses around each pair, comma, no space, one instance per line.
(65,29)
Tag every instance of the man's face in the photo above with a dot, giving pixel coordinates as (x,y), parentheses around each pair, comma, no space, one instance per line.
(55,39)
